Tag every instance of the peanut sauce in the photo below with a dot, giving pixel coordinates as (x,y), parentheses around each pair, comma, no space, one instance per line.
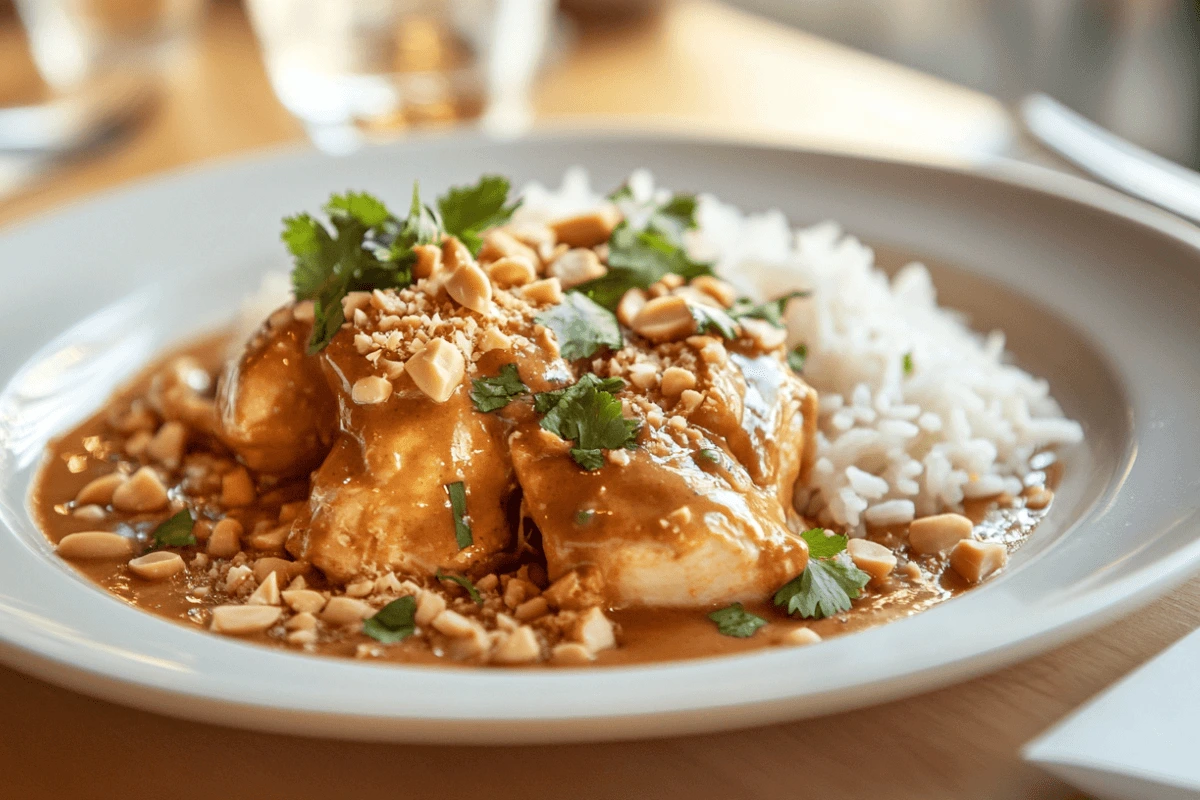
(644,635)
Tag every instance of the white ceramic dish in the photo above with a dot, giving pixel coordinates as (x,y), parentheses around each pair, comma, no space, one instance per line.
(1098,293)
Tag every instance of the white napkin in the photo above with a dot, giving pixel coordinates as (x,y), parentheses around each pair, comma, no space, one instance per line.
(1139,739)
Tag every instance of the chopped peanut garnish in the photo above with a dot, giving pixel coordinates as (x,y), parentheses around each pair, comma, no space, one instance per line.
(576,266)
(437,369)
(587,230)
(665,319)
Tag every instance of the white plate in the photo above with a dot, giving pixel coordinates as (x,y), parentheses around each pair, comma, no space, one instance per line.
(1098,294)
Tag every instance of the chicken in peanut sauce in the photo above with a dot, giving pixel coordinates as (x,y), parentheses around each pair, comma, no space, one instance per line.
(471,439)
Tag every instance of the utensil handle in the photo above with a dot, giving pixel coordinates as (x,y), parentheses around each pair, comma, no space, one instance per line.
(1116,161)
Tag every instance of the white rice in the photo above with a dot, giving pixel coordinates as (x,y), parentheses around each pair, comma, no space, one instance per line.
(890,447)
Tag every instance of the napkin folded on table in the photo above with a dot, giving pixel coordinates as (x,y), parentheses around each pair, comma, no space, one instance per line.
(1139,739)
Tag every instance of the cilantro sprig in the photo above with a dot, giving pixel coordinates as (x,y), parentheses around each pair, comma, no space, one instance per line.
(468,211)
(493,393)
(457,492)
(174,532)
(797,357)
(638,258)
(736,621)
(771,311)
(827,584)
(463,582)
(709,318)
(365,246)
(393,623)
(581,326)
(588,414)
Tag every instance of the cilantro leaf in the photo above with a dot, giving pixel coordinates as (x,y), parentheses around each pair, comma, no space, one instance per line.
(637,259)
(368,211)
(622,192)
(589,458)
(364,247)
(584,516)
(174,532)
(494,393)
(710,318)
(823,543)
(581,326)
(736,621)
(394,622)
(463,582)
(307,240)
(328,316)
(710,455)
(467,211)
(679,211)
(420,226)
(797,357)
(770,311)
(908,363)
(543,402)
(458,505)
(828,583)
(588,414)
(825,588)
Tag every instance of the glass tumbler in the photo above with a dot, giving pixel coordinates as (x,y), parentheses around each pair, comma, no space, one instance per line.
(355,70)
(73,41)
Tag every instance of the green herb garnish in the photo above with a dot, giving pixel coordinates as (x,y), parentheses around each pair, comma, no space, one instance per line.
(797,357)
(581,326)
(367,248)
(678,214)
(829,581)
(393,623)
(736,621)
(463,582)
(493,393)
(588,414)
(584,516)
(639,258)
(823,544)
(908,363)
(709,454)
(174,532)
(458,504)
(468,211)
(544,402)
(770,311)
(673,217)
(364,246)
(708,318)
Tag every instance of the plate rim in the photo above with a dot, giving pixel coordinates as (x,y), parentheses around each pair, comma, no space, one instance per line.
(1082,614)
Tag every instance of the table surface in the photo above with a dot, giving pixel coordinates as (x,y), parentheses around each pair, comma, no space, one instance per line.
(699,66)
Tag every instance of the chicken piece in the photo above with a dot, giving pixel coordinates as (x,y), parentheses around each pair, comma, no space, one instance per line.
(687,522)
(766,415)
(380,500)
(274,406)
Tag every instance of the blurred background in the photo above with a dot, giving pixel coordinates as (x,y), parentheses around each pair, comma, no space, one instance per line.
(95,92)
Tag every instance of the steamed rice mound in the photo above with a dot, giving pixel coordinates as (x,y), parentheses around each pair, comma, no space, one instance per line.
(917,413)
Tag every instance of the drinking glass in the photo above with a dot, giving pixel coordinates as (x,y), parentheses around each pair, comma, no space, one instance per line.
(73,41)
(353,70)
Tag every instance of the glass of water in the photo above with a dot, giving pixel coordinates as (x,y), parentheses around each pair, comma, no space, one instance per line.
(74,41)
(355,70)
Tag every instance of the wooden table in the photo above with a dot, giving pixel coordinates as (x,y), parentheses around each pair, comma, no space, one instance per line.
(700,66)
